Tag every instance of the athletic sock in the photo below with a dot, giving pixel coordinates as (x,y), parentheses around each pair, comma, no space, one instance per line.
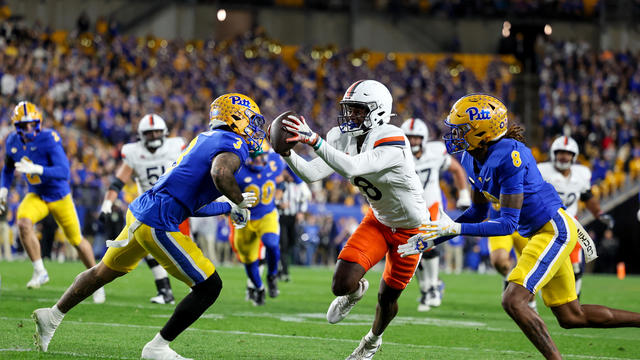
(38,266)
(57,315)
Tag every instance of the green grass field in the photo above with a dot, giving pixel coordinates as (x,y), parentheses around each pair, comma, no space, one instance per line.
(470,324)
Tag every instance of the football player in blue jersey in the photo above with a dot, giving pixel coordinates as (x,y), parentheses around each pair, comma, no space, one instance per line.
(38,154)
(202,173)
(259,178)
(502,170)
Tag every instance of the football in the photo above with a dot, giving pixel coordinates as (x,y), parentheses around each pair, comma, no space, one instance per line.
(278,135)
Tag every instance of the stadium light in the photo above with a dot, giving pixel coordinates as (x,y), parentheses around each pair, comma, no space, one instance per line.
(222,15)
(548,30)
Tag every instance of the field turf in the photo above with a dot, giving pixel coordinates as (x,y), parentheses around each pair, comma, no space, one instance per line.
(470,324)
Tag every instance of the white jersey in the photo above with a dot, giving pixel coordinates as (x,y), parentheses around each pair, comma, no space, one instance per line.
(434,159)
(569,188)
(394,193)
(147,166)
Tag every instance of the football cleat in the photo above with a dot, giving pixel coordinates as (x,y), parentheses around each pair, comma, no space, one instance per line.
(259,297)
(423,305)
(99,296)
(37,280)
(272,285)
(342,305)
(45,328)
(366,349)
(433,297)
(250,294)
(160,352)
(165,296)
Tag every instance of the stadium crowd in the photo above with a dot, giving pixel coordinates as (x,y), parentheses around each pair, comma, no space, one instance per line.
(94,86)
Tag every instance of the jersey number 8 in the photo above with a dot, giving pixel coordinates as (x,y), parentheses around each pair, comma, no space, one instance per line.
(367,188)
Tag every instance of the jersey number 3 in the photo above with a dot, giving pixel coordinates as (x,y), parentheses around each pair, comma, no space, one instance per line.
(367,188)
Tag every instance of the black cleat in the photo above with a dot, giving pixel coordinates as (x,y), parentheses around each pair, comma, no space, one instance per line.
(259,297)
(272,284)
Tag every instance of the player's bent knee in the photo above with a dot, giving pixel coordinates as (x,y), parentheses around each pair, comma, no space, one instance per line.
(210,288)
(24,224)
(571,322)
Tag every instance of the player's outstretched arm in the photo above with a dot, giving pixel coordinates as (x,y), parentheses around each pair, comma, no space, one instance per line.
(308,171)
(122,176)
(223,168)
(368,162)
(460,182)
(60,167)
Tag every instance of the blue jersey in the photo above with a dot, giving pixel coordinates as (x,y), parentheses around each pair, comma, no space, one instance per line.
(262,182)
(511,169)
(46,150)
(187,186)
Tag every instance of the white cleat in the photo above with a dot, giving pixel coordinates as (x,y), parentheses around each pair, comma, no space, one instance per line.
(160,352)
(342,305)
(365,350)
(37,280)
(434,298)
(99,296)
(45,327)
(423,305)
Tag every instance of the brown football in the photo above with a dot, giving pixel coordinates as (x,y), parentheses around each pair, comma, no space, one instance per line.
(278,135)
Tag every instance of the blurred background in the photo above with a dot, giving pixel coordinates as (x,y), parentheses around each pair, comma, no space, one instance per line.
(96,66)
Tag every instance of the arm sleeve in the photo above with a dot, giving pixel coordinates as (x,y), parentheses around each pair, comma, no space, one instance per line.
(213,208)
(367,162)
(474,214)
(309,171)
(7,172)
(61,168)
(506,224)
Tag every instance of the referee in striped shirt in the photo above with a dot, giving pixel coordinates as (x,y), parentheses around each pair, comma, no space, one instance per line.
(292,198)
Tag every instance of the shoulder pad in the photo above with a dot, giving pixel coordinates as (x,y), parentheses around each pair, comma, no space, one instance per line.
(334,135)
(129,150)
(437,148)
(582,171)
(386,134)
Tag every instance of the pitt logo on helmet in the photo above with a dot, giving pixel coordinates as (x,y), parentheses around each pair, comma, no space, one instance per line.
(240,101)
(474,114)
(26,112)
(475,120)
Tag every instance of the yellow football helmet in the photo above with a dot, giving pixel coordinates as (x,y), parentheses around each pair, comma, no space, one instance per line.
(474,120)
(26,112)
(242,115)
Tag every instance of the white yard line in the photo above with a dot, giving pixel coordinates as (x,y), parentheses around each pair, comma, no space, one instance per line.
(314,338)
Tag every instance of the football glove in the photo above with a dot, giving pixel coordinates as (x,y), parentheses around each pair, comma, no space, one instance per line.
(3,199)
(27,167)
(106,207)
(464,199)
(607,220)
(432,230)
(239,214)
(302,131)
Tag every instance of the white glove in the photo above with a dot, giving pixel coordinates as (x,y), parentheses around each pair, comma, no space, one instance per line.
(638,215)
(27,167)
(239,214)
(3,199)
(106,207)
(299,127)
(429,232)
(464,199)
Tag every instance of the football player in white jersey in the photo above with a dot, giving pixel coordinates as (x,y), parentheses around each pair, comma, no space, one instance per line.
(572,182)
(375,157)
(145,161)
(431,158)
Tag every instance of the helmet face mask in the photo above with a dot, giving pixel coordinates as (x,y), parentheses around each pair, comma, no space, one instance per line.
(242,115)
(27,119)
(152,131)
(455,140)
(354,117)
(564,159)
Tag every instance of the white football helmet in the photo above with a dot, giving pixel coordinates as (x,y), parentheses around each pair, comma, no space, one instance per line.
(151,122)
(374,101)
(564,143)
(416,127)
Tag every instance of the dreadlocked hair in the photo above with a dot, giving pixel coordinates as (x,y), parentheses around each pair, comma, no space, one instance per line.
(516,133)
